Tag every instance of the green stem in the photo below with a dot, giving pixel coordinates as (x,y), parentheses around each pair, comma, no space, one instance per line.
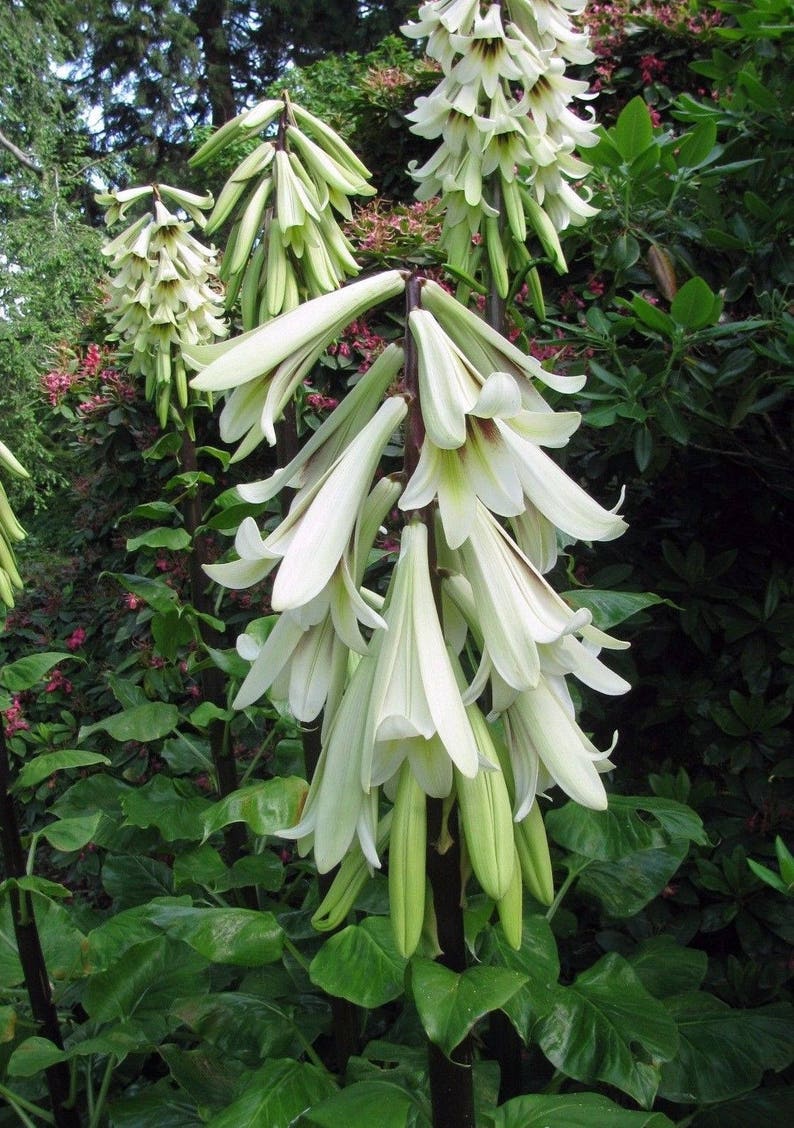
(566,885)
(18,1103)
(296,954)
(104,1088)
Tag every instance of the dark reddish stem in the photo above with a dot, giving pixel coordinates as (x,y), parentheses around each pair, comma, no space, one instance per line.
(29,948)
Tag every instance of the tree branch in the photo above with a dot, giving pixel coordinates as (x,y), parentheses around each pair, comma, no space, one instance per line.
(23,158)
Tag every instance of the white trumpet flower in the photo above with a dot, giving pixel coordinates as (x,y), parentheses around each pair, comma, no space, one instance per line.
(547,747)
(516,607)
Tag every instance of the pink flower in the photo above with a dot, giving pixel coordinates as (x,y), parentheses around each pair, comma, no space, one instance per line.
(131,602)
(58,682)
(14,721)
(76,639)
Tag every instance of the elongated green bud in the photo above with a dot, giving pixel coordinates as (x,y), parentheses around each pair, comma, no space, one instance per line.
(407,851)
(510,908)
(532,847)
(353,875)
(486,816)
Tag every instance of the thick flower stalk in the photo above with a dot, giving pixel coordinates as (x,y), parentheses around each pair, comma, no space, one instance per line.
(285,244)
(164,292)
(11,532)
(507,162)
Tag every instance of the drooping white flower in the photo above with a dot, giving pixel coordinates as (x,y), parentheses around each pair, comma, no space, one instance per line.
(547,747)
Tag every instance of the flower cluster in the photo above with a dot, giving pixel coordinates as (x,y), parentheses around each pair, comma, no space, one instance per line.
(399,678)
(285,244)
(508,135)
(164,291)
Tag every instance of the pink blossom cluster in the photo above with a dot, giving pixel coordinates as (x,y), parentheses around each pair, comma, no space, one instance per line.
(318,402)
(14,721)
(58,682)
(384,228)
(76,639)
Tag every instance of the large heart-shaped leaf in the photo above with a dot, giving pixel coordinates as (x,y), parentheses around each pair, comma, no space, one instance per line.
(145,981)
(573,1110)
(170,805)
(591,1031)
(361,963)
(449,1004)
(266,807)
(724,1052)
(225,936)
(626,886)
(620,830)
(666,968)
(537,959)
(275,1096)
(142,723)
(354,1107)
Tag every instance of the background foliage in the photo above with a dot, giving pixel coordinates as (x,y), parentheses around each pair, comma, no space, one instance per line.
(663,940)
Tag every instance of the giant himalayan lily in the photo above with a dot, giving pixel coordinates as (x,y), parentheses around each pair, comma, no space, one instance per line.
(402,702)
(309,546)
(547,747)
(263,367)
(516,608)
(304,658)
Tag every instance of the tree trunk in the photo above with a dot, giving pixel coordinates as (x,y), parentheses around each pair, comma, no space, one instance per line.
(209,16)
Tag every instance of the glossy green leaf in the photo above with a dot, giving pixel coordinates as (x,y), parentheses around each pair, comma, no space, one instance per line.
(620,830)
(250,1028)
(537,959)
(31,883)
(42,767)
(156,1106)
(724,1052)
(170,805)
(355,1105)
(361,963)
(697,145)
(34,1055)
(155,593)
(23,674)
(606,1027)
(210,1079)
(61,941)
(609,608)
(72,834)
(173,539)
(633,131)
(695,305)
(8,1025)
(449,1004)
(153,511)
(226,936)
(266,806)
(627,885)
(134,879)
(110,940)
(573,1110)
(275,1096)
(143,723)
(146,981)
(666,968)
(653,317)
